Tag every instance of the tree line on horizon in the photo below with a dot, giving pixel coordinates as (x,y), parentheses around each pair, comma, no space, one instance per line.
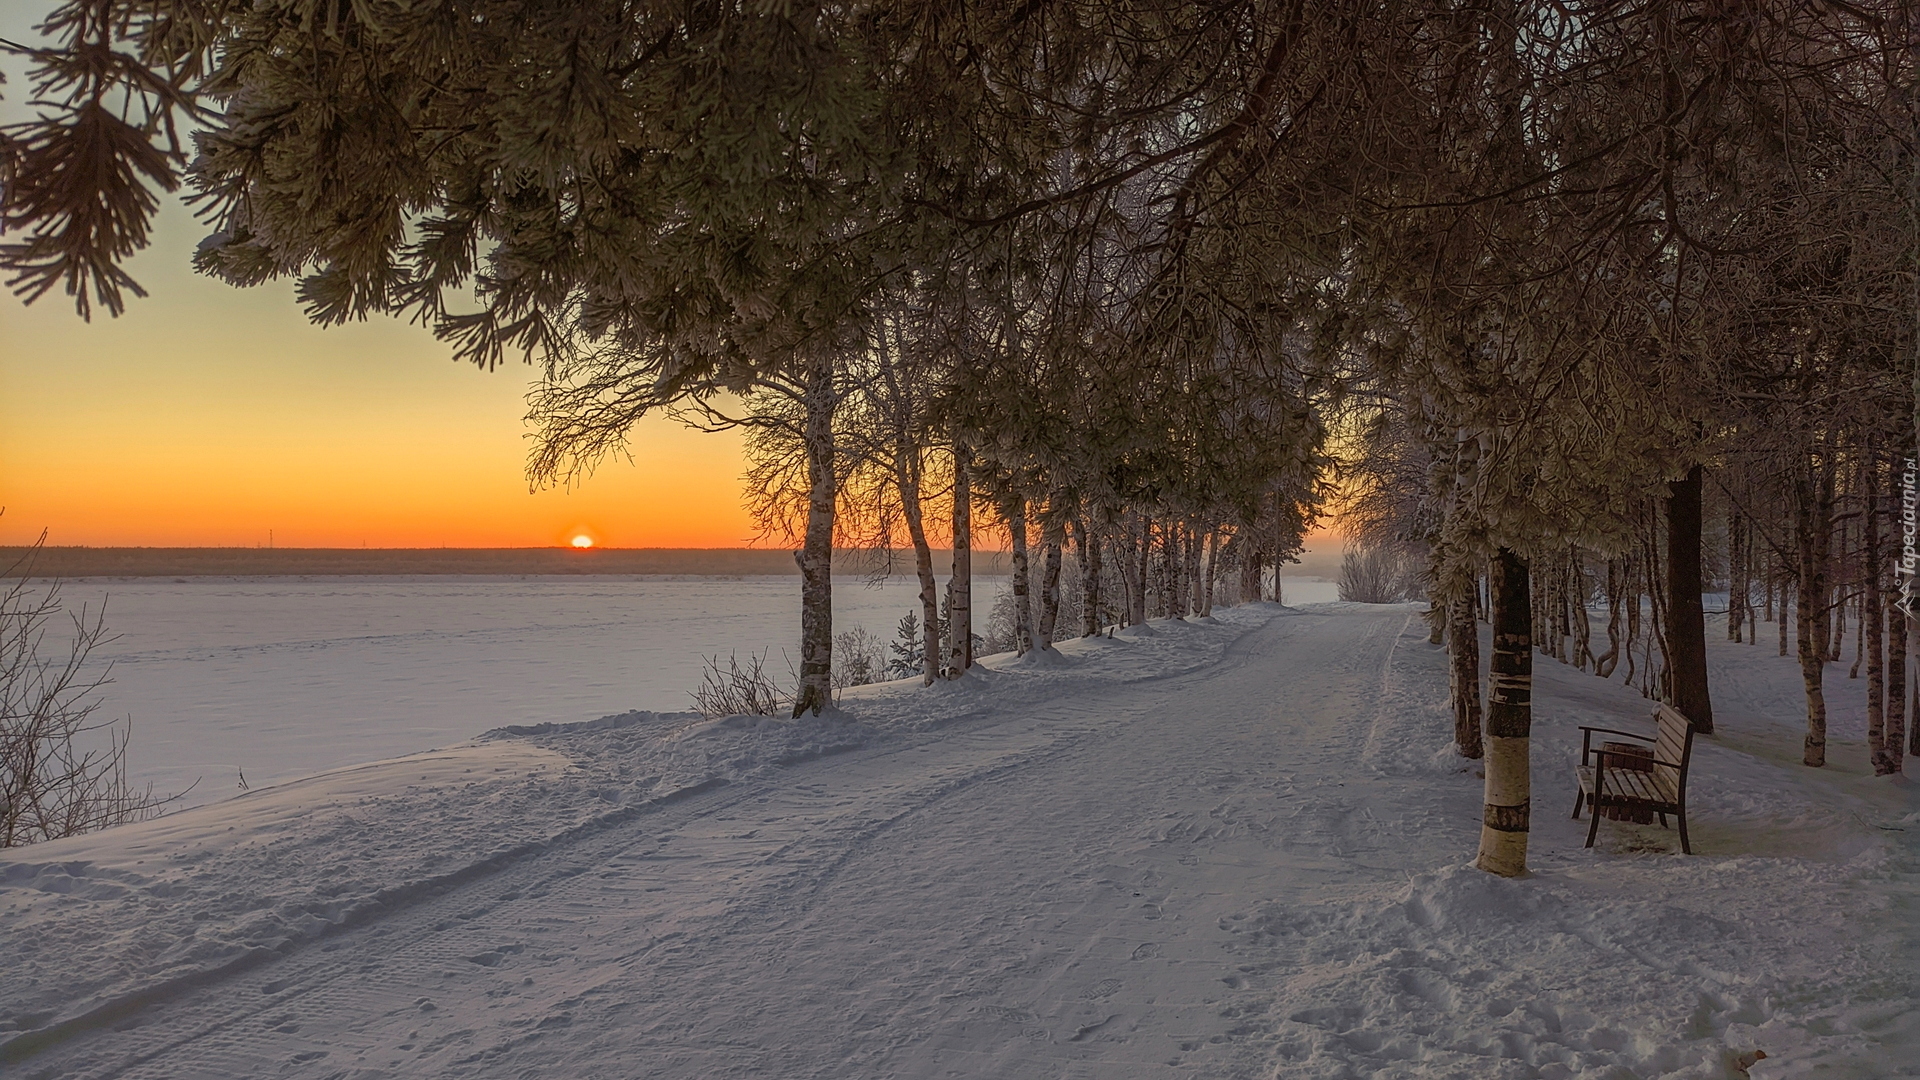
(1531,283)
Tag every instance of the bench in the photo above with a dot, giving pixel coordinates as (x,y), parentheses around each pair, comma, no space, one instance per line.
(1619,781)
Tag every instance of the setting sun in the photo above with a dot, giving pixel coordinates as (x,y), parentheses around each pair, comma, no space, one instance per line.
(583,541)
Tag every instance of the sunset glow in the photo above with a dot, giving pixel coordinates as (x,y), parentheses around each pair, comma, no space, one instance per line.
(583,541)
(215,416)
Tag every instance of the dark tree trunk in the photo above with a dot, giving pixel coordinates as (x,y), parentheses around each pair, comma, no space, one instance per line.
(1089,580)
(960,587)
(1813,530)
(1686,615)
(1463,648)
(1507,812)
(815,557)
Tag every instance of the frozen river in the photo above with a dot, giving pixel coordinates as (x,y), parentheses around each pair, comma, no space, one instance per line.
(281,677)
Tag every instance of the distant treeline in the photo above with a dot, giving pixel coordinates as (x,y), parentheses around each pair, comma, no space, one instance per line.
(76,562)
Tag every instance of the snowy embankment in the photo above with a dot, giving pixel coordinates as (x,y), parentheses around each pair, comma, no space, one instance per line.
(1228,848)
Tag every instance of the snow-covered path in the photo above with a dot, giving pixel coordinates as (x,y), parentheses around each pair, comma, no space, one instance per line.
(1249,867)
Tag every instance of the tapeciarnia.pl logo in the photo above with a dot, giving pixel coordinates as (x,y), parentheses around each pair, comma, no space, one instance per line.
(1909,560)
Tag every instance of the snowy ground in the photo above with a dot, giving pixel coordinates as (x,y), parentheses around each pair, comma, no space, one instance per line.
(276,678)
(270,679)
(1224,849)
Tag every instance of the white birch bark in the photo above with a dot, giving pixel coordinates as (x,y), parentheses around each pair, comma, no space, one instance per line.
(815,692)
(1206,585)
(1144,569)
(1053,537)
(1022,600)
(960,585)
(1504,820)
(907,475)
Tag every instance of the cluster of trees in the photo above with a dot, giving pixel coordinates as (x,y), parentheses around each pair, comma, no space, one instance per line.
(1126,276)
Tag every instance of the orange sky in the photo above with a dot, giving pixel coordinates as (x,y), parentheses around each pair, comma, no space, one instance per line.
(215,416)
(209,415)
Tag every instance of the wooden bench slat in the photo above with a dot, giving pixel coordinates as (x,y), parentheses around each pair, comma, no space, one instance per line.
(1658,787)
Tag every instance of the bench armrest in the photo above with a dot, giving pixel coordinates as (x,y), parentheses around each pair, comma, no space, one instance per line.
(1616,731)
(1586,739)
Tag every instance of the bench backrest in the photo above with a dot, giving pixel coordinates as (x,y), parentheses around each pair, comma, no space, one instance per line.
(1674,743)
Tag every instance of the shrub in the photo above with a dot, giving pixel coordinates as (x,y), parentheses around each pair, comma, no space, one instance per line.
(61,772)
(1377,575)
(739,690)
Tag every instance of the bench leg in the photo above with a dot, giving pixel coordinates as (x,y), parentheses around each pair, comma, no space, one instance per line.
(1593,830)
(1685,847)
(1663,822)
(1579,800)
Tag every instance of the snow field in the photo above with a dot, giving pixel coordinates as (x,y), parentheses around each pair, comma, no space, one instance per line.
(278,678)
(1228,848)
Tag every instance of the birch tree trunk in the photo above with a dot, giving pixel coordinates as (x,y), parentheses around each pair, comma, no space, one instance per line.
(1736,579)
(1022,595)
(1686,615)
(960,585)
(1836,612)
(1781,624)
(815,692)
(1657,681)
(1508,804)
(1871,627)
(1813,529)
(1194,601)
(1206,584)
(1463,649)
(1631,591)
(1145,570)
(1561,611)
(1603,665)
(1172,603)
(1250,574)
(1129,575)
(907,473)
(1052,535)
(1766,591)
(1582,627)
(1089,579)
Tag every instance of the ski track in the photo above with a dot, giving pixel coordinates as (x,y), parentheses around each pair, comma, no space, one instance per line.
(1203,873)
